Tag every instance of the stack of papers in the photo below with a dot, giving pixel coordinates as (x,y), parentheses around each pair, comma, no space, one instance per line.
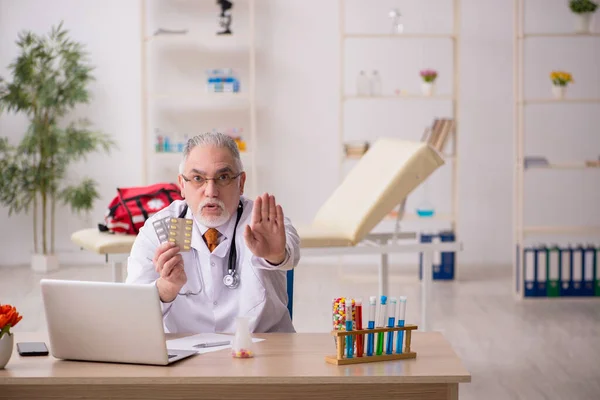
(204,342)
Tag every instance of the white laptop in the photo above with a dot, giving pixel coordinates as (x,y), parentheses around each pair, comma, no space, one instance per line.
(105,321)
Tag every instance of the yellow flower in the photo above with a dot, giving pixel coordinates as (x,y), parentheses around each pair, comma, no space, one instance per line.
(561,78)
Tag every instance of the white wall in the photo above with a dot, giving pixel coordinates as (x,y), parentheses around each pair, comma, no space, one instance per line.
(298,89)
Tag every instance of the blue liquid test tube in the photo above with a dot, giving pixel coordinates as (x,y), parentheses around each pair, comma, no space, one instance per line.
(349,341)
(400,319)
(389,347)
(371,325)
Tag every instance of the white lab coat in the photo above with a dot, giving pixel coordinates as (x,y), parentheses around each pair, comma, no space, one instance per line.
(205,304)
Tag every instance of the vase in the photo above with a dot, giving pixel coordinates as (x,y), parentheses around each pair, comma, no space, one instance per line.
(559,91)
(583,22)
(428,88)
(6,349)
(242,345)
(44,263)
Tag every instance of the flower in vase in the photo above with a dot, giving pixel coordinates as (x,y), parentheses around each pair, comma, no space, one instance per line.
(9,317)
(560,78)
(583,6)
(429,75)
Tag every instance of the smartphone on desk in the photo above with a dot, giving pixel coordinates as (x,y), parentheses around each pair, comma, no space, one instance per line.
(32,349)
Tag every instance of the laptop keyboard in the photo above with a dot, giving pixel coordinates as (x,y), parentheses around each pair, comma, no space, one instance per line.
(172,355)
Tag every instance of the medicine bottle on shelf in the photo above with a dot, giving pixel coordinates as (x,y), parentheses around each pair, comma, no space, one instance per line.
(242,345)
(375,84)
(362,84)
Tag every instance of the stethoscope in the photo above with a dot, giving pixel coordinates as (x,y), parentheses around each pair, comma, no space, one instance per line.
(231,279)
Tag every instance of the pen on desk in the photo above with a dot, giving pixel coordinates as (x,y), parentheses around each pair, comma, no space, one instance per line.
(400,322)
(371,325)
(212,344)
(389,349)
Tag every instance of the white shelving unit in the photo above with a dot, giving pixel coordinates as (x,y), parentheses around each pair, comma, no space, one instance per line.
(454,97)
(213,47)
(521,230)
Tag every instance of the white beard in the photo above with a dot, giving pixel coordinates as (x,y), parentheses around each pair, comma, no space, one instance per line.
(212,221)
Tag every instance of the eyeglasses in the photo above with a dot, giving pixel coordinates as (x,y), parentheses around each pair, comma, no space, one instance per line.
(221,180)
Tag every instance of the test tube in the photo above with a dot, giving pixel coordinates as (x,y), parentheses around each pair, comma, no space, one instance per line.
(400,322)
(389,348)
(371,337)
(349,341)
(381,323)
(360,339)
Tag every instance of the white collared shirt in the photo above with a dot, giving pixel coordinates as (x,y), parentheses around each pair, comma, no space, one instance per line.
(204,303)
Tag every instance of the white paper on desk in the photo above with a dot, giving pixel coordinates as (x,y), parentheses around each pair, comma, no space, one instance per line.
(187,343)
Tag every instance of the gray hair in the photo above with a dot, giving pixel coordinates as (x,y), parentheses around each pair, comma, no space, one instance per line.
(215,139)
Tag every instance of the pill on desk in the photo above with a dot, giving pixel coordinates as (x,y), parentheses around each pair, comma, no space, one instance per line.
(242,353)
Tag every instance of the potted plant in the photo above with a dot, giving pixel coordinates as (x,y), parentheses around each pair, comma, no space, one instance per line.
(583,9)
(49,80)
(428,85)
(9,317)
(560,80)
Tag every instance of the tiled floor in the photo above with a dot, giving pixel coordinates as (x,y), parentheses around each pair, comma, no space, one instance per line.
(537,349)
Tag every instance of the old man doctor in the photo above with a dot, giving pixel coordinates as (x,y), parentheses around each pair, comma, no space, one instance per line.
(206,288)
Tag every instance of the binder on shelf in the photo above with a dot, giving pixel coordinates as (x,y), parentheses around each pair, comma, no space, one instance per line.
(444,262)
(589,270)
(597,272)
(530,272)
(553,272)
(556,271)
(448,257)
(518,269)
(541,262)
(578,273)
(566,271)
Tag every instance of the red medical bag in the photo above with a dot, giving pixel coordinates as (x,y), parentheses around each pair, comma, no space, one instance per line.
(130,209)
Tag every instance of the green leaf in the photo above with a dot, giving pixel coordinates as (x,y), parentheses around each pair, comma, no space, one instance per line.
(81,197)
(583,6)
(5,330)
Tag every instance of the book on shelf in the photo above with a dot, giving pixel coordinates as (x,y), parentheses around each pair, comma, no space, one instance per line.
(163,31)
(535,161)
(592,163)
(447,129)
(438,134)
(356,149)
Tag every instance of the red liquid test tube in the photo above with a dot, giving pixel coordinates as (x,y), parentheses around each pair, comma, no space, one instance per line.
(360,339)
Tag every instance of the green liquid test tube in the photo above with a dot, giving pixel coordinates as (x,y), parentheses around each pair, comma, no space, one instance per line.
(379,344)
(381,324)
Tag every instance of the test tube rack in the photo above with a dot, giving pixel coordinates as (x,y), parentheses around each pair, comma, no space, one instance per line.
(341,359)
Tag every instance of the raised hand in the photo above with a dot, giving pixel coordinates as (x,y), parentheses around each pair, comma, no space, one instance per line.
(265,234)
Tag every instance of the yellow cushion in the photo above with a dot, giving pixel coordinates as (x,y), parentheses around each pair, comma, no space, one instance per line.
(311,236)
(384,176)
(102,242)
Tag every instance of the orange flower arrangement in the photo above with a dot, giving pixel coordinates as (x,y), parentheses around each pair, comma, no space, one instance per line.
(9,317)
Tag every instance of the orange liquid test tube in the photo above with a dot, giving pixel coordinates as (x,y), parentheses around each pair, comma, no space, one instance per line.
(360,339)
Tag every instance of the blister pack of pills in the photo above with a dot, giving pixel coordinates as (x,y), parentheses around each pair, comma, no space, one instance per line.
(176,230)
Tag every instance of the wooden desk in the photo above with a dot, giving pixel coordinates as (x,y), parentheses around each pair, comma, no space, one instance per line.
(287,366)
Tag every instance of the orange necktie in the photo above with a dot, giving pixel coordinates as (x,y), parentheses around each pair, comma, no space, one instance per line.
(210,237)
